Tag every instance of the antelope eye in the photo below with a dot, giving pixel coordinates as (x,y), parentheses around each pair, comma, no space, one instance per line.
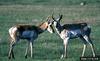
(48,22)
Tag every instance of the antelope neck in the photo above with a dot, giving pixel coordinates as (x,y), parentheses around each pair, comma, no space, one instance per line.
(58,28)
(42,27)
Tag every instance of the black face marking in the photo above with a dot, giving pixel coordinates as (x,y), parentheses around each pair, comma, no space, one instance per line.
(48,22)
(52,28)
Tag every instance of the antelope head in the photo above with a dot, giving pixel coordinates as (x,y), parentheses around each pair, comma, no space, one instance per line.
(57,20)
(49,25)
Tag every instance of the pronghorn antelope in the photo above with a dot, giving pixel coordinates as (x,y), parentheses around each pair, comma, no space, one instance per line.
(71,31)
(28,32)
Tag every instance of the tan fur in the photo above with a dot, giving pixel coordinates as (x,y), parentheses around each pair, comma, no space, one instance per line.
(14,34)
(44,26)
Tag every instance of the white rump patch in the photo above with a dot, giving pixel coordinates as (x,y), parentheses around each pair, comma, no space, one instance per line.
(12,30)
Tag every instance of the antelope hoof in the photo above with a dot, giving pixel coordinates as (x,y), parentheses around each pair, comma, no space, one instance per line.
(9,57)
(31,56)
(82,56)
(13,56)
(63,56)
(93,55)
(26,56)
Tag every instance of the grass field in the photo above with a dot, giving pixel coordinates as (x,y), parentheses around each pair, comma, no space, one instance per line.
(48,47)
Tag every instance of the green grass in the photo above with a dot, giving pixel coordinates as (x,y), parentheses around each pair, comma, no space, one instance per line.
(48,47)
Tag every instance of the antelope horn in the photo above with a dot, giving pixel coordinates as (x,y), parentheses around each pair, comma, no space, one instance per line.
(48,17)
(53,17)
(60,16)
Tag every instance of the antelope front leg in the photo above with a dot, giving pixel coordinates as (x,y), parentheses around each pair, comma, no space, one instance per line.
(27,48)
(92,48)
(64,55)
(84,50)
(31,49)
(11,54)
(87,38)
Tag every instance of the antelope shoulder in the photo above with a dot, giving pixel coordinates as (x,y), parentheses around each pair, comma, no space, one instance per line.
(63,34)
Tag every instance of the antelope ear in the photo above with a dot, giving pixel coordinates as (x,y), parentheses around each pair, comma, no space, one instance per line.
(52,16)
(47,18)
(60,17)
